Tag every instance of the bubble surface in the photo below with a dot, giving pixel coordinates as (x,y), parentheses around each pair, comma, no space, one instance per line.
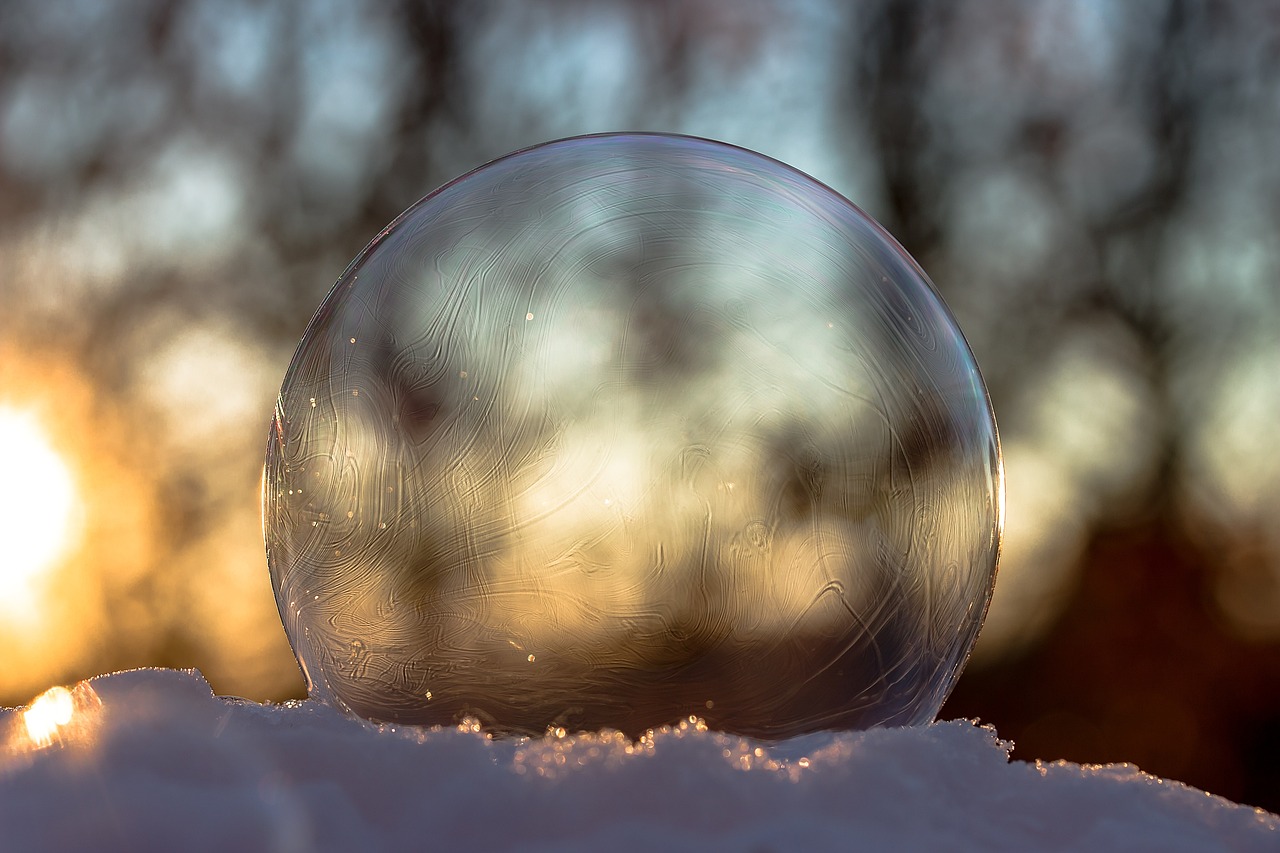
(626,428)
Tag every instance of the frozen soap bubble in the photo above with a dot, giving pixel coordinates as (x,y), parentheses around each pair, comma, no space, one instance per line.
(626,428)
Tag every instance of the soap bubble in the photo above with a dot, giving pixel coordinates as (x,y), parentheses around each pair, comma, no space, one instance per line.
(622,429)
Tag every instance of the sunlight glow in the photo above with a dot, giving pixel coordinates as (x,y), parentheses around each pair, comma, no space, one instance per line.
(59,716)
(50,711)
(37,500)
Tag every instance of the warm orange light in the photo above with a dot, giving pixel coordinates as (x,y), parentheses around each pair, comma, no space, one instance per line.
(50,711)
(58,716)
(37,504)
(77,522)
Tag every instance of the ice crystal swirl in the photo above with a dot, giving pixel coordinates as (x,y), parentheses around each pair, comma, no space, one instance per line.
(625,428)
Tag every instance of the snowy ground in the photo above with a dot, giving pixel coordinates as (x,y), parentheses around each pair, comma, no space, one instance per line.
(152,760)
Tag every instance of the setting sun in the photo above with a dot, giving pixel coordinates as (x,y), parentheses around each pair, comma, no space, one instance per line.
(37,502)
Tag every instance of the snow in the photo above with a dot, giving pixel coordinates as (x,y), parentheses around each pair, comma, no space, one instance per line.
(153,760)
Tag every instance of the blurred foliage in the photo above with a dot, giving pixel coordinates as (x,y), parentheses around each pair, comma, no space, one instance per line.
(1092,185)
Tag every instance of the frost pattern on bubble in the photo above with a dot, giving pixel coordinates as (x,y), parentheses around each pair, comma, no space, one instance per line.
(625,428)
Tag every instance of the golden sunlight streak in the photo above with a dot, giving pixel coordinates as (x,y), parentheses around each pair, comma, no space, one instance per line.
(37,505)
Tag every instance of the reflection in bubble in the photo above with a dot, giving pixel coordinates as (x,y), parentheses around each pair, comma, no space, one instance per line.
(623,428)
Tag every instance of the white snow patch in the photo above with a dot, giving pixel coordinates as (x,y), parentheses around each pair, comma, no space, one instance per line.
(152,760)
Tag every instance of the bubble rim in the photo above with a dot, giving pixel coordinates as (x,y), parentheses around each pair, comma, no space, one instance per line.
(330,300)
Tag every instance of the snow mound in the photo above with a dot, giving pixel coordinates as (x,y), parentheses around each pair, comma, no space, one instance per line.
(153,760)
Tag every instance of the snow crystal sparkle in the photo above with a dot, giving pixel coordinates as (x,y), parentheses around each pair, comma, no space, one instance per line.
(625,428)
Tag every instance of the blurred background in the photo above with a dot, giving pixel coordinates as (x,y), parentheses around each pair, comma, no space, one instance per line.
(1094,186)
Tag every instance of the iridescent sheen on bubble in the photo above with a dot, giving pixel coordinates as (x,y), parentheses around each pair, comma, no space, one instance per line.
(626,428)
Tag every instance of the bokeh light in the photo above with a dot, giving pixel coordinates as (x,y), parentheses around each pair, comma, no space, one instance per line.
(49,712)
(57,717)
